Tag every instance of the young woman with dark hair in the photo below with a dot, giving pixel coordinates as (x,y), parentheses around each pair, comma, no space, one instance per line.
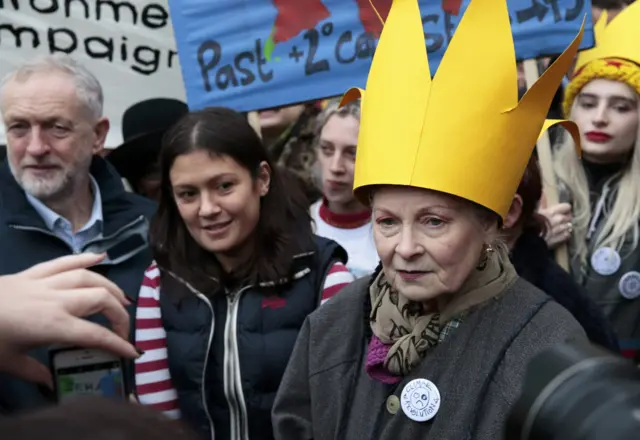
(237,270)
(524,230)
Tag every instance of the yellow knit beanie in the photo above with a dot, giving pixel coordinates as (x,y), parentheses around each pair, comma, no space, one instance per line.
(610,68)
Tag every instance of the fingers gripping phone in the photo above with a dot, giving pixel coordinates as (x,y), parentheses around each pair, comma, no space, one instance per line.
(82,372)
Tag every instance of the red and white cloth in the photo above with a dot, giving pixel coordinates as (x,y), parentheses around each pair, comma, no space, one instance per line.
(153,380)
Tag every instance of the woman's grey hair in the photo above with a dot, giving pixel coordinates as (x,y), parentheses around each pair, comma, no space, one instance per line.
(88,87)
(333,108)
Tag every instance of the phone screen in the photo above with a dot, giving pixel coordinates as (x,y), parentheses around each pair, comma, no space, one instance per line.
(100,379)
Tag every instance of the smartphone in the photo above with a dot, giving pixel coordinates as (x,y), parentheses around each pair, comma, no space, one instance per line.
(82,372)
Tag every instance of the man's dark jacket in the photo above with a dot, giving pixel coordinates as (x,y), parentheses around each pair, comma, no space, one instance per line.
(26,241)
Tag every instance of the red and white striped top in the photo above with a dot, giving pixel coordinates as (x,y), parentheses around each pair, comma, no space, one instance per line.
(153,381)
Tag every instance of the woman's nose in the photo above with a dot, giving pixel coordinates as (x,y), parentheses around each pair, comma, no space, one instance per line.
(601,116)
(209,206)
(336,165)
(408,247)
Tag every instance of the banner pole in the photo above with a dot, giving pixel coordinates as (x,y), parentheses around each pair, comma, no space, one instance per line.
(545,159)
(254,121)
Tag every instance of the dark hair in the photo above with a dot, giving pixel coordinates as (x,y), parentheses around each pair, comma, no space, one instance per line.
(92,418)
(608,4)
(284,227)
(530,190)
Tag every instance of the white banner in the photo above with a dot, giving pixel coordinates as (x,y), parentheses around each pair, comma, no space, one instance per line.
(128,45)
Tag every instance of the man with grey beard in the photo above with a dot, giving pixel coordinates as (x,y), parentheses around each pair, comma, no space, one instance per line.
(58,197)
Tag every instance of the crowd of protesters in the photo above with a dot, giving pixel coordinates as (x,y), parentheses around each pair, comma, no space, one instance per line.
(299,281)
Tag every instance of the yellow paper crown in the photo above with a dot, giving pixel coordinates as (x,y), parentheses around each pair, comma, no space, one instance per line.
(464,132)
(618,39)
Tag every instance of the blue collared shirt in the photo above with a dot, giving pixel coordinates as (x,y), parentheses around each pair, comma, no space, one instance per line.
(63,228)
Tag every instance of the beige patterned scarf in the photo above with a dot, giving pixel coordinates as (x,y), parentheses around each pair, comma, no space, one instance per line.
(411,330)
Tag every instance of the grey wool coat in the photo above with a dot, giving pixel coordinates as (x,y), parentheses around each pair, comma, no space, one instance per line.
(478,369)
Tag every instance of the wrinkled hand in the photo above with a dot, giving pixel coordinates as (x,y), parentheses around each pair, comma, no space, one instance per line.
(560,226)
(45,304)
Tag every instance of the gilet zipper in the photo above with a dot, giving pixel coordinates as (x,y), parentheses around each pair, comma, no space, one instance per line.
(232,375)
(203,388)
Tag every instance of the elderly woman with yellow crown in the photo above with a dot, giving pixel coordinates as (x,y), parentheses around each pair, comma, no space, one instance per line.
(600,214)
(434,344)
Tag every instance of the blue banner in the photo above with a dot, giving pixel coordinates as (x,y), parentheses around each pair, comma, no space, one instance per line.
(256,54)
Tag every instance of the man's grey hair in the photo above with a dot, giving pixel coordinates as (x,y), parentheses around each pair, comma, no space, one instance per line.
(333,108)
(88,87)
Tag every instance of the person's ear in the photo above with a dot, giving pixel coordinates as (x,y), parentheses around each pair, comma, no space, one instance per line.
(100,129)
(263,179)
(515,211)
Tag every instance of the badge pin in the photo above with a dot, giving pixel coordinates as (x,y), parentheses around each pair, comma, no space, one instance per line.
(629,285)
(606,261)
(420,400)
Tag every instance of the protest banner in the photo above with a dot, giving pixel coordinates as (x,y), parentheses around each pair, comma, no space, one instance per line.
(254,54)
(128,45)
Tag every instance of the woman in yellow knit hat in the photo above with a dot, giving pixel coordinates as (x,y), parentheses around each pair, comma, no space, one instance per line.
(600,216)
(435,343)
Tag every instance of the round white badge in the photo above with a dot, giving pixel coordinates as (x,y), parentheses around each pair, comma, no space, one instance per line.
(629,285)
(420,400)
(606,261)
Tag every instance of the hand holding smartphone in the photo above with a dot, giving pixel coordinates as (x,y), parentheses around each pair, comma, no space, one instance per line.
(54,297)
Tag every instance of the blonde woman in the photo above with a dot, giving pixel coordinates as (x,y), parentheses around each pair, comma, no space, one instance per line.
(339,216)
(600,216)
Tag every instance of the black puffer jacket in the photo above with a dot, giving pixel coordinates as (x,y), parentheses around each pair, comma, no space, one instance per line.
(227,353)
(531,259)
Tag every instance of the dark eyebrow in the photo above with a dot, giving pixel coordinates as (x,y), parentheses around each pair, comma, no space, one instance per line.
(612,97)
(213,179)
(14,118)
(631,101)
(331,144)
